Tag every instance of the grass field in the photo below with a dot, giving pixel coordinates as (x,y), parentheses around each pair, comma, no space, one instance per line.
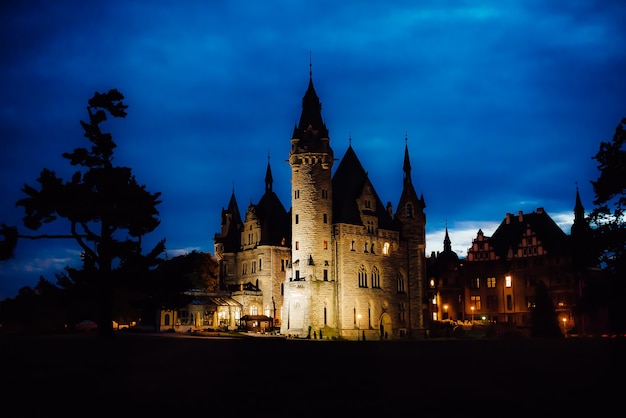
(169,375)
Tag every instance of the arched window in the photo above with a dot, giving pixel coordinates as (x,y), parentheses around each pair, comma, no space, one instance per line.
(362,276)
(375,278)
(400,283)
(409,210)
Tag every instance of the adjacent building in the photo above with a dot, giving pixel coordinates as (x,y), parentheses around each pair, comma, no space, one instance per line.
(496,282)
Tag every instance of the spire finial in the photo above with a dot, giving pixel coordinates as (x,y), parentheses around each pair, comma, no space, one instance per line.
(310,64)
(406,138)
(350,139)
(268,155)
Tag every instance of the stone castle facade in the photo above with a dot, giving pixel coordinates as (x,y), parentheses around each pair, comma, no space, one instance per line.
(339,263)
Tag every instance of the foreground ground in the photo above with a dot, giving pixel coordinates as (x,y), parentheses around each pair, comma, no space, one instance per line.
(165,375)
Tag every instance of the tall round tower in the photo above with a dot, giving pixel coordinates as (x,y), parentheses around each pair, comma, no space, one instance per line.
(308,301)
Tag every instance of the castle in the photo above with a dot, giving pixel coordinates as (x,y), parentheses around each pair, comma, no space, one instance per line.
(339,263)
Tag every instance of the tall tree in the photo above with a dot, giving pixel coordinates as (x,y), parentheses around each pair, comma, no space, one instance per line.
(543,318)
(107,210)
(607,220)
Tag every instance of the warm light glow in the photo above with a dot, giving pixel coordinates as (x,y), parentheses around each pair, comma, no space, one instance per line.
(507,280)
(358,316)
(445,308)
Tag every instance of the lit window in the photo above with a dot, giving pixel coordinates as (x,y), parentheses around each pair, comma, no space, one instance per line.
(507,281)
(386,248)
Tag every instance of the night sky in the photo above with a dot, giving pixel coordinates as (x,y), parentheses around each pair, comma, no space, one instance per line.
(503,104)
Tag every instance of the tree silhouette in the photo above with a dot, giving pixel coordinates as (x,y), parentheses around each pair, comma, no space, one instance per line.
(108,211)
(196,270)
(608,221)
(544,322)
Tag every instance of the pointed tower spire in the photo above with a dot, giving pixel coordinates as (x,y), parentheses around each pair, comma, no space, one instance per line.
(579,210)
(311,127)
(407,162)
(268,175)
(447,244)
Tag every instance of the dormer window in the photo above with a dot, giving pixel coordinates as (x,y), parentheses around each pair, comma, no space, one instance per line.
(409,210)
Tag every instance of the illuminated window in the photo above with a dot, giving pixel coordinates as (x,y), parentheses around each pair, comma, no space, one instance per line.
(507,281)
(431,283)
(491,282)
(475,302)
(254,310)
(325,244)
(386,248)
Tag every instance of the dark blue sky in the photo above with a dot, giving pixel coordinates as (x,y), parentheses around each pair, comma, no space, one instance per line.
(503,103)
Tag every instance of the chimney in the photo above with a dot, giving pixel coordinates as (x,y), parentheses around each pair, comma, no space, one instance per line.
(540,210)
(520,216)
(508,218)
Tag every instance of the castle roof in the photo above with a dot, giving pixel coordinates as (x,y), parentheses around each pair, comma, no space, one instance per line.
(230,236)
(311,127)
(509,234)
(349,181)
(274,219)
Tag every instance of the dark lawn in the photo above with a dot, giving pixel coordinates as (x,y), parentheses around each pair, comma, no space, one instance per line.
(167,375)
